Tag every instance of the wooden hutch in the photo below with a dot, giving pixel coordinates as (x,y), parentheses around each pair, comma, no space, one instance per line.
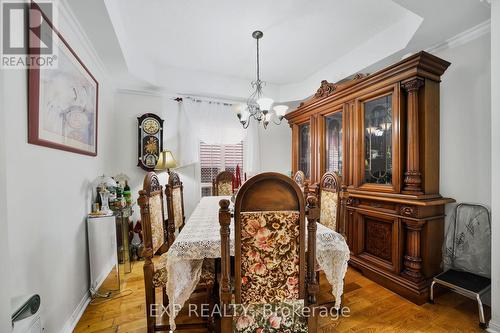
(380,132)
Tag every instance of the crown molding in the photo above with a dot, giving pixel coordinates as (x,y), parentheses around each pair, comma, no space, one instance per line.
(67,13)
(462,38)
(141,92)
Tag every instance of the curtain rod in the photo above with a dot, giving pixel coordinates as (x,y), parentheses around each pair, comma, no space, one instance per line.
(207,100)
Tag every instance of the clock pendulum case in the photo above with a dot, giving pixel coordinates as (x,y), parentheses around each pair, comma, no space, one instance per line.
(150,140)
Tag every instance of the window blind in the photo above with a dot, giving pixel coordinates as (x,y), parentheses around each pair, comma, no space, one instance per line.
(216,158)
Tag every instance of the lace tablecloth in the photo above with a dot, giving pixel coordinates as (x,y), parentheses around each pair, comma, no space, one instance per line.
(200,238)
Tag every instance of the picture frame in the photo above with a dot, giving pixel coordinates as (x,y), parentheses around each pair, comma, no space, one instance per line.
(62,101)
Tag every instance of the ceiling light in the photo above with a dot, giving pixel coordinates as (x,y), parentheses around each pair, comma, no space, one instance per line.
(259,107)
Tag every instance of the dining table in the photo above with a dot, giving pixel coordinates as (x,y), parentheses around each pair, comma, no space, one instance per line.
(200,239)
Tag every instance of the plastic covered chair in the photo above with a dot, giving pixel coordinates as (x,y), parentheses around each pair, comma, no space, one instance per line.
(467,255)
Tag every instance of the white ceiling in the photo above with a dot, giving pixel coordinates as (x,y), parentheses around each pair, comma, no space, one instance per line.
(206,48)
(300,36)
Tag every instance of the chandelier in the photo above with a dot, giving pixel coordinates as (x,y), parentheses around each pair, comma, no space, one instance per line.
(258,106)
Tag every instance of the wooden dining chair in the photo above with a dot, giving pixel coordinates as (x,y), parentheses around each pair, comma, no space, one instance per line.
(174,194)
(222,184)
(270,257)
(300,179)
(329,198)
(155,238)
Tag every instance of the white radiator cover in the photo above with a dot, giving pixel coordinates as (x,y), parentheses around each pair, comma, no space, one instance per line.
(102,249)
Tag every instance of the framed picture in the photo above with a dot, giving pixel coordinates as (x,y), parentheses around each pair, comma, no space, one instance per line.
(62,105)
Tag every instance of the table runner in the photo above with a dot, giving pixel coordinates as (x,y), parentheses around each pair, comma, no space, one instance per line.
(200,238)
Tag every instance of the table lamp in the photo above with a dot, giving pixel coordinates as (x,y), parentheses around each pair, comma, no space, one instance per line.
(166,161)
(103,182)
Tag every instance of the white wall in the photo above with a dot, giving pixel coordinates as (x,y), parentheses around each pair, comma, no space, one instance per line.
(495,165)
(465,131)
(49,198)
(465,147)
(466,136)
(276,148)
(5,312)
(128,106)
(131,104)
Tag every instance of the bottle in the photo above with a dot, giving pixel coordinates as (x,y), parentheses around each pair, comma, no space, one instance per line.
(98,196)
(127,193)
(119,192)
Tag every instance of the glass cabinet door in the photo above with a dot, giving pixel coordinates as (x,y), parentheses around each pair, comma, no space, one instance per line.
(333,144)
(305,149)
(378,140)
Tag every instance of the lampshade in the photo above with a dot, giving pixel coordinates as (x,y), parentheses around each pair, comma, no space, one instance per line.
(104,180)
(245,114)
(122,178)
(239,108)
(165,161)
(280,110)
(265,103)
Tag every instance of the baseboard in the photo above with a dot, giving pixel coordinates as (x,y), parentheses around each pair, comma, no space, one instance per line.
(70,324)
(493,327)
(104,274)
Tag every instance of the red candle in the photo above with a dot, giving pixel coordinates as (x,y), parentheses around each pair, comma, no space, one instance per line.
(232,183)
(238,176)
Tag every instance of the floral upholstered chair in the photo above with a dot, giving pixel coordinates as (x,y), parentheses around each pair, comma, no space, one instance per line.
(174,193)
(155,238)
(270,258)
(222,184)
(329,193)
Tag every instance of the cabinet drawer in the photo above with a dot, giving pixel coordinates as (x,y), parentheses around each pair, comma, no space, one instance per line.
(381,206)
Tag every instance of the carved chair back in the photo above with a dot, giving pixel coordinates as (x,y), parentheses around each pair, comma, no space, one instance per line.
(174,193)
(269,212)
(152,213)
(300,179)
(222,184)
(329,198)
(155,238)
(270,248)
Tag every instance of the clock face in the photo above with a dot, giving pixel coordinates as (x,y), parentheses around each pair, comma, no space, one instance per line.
(150,126)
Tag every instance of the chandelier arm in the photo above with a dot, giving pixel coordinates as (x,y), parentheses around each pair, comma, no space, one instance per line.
(277,123)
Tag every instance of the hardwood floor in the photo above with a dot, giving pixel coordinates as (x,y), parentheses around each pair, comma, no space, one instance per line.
(372,309)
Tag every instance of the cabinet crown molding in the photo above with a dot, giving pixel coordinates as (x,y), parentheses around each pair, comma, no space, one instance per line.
(422,64)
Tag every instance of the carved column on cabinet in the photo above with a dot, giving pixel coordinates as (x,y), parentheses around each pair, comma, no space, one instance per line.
(344,195)
(412,259)
(413,177)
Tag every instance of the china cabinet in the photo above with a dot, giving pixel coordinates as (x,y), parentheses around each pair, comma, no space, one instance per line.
(380,133)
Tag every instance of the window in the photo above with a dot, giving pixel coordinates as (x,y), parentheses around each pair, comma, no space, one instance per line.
(216,158)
